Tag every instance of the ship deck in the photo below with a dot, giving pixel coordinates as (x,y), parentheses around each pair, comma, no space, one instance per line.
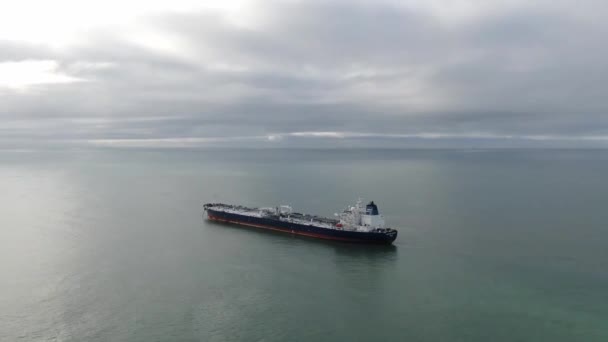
(298,218)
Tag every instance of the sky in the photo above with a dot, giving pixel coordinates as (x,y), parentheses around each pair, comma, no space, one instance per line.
(245,73)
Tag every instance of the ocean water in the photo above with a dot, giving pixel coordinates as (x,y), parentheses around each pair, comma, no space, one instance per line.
(494,245)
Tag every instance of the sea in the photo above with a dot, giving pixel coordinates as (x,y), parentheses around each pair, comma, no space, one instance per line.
(494,245)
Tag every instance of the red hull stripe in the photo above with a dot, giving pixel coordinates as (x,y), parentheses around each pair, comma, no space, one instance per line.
(320,236)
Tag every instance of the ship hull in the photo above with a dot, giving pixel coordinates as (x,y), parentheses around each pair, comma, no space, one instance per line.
(301,229)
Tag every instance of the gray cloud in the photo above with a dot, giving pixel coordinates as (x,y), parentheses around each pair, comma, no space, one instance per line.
(375,71)
(11,50)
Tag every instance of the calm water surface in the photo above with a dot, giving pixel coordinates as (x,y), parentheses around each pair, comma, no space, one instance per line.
(493,246)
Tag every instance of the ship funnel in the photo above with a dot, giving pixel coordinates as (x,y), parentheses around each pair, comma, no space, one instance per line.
(371,209)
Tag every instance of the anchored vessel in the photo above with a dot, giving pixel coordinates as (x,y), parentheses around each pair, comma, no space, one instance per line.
(356,223)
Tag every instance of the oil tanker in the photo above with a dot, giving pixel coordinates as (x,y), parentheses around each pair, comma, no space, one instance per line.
(357,223)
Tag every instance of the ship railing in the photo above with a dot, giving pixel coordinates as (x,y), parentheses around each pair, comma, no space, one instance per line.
(229,206)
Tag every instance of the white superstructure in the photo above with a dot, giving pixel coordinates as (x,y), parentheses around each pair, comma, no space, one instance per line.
(361,218)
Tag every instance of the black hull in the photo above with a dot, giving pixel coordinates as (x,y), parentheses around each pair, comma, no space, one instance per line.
(300,229)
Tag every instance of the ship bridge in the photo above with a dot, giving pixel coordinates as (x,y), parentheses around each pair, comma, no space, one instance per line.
(362,218)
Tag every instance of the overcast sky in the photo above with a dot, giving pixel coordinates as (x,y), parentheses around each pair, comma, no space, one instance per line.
(304,73)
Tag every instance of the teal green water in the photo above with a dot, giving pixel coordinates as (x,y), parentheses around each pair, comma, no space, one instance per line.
(492,246)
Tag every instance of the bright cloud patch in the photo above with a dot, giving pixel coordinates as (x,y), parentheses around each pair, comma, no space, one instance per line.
(279,138)
(20,75)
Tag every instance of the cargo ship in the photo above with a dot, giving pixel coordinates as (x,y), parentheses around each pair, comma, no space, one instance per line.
(357,223)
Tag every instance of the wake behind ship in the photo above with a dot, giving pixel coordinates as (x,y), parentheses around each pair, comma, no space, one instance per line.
(357,223)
